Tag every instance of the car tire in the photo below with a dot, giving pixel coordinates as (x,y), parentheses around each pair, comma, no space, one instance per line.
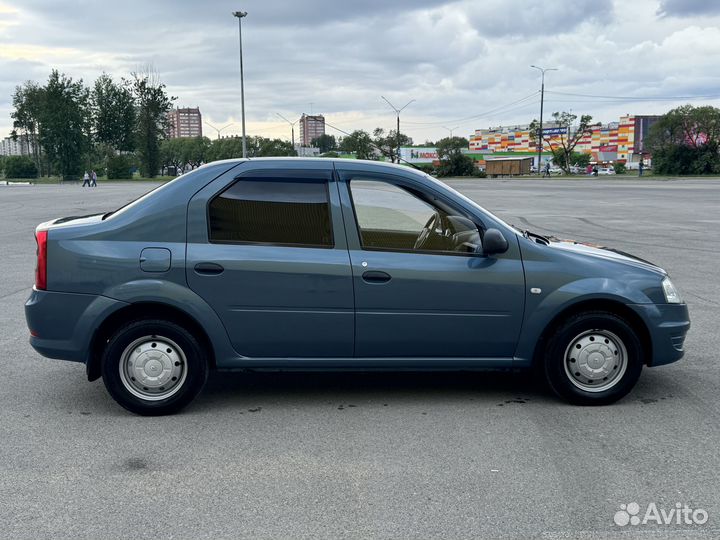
(593,358)
(153,367)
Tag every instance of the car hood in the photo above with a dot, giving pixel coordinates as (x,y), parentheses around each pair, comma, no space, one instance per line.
(603,252)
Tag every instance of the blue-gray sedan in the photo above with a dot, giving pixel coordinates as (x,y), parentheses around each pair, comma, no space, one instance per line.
(294,264)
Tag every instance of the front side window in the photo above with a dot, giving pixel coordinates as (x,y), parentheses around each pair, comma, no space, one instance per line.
(285,211)
(392,217)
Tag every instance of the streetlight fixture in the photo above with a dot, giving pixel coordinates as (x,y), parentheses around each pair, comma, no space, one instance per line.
(219,130)
(240,15)
(397,112)
(450,130)
(292,128)
(542,99)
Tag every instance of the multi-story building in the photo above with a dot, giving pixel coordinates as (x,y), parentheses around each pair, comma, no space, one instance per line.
(311,127)
(185,122)
(622,141)
(21,146)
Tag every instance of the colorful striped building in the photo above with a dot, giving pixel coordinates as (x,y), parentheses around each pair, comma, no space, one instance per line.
(620,142)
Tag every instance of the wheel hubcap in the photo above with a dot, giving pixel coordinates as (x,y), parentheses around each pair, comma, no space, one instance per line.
(153,368)
(595,360)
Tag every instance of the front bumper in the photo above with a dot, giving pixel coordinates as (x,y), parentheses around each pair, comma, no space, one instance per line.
(62,324)
(667,325)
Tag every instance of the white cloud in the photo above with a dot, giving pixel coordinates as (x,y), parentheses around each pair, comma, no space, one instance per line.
(457,59)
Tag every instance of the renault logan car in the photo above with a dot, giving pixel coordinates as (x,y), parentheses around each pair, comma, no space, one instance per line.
(298,264)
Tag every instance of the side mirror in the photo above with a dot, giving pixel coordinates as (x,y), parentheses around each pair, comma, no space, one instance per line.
(494,242)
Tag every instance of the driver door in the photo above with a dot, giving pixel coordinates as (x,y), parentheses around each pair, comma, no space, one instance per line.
(416,293)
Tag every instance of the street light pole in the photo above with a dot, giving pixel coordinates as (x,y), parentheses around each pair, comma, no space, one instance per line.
(542,100)
(292,128)
(450,130)
(240,15)
(397,112)
(219,130)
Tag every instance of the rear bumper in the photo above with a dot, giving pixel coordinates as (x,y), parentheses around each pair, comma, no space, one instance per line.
(667,324)
(62,324)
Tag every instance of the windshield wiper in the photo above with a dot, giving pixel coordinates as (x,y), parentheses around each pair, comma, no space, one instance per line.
(538,238)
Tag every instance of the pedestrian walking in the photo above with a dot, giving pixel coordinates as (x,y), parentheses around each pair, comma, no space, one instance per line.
(93,176)
(595,170)
(86,180)
(641,166)
(546,170)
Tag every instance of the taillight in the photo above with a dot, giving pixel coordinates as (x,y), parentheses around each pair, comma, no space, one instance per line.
(41,267)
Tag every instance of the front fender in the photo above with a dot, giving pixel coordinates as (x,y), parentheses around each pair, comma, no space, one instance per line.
(542,309)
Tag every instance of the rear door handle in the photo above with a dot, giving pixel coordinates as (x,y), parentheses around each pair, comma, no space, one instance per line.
(208,269)
(375,276)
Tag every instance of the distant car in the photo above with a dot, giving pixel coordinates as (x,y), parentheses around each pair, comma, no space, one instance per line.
(604,171)
(307,264)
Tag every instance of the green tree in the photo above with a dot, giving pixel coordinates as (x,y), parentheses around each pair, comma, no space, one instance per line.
(64,120)
(453,162)
(225,148)
(563,145)
(359,143)
(388,143)
(20,167)
(193,150)
(580,159)
(325,143)
(113,114)
(153,104)
(28,101)
(686,141)
(264,147)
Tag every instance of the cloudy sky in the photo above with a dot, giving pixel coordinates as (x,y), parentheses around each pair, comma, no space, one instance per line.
(465,62)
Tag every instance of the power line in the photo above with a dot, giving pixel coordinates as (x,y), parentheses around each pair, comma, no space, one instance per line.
(634,98)
(475,116)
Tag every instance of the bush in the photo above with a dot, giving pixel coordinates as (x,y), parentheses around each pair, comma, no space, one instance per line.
(619,168)
(479,173)
(119,168)
(20,167)
(427,168)
(685,159)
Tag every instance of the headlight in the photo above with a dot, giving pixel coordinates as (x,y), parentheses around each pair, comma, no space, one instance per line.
(671,293)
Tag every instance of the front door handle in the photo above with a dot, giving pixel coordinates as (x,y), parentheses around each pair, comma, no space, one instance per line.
(208,269)
(375,276)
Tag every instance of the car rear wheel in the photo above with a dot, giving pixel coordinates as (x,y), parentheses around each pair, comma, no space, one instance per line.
(594,358)
(153,367)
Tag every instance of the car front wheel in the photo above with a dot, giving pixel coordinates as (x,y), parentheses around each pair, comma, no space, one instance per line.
(594,358)
(153,367)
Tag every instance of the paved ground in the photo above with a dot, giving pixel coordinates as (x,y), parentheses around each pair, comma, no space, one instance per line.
(455,456)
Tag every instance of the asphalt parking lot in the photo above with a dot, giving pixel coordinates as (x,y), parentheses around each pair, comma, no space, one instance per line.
(374,455)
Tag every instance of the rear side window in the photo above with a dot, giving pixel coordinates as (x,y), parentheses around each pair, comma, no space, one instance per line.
(293,212)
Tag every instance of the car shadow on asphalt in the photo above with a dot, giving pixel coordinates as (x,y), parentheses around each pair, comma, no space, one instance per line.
(232,389)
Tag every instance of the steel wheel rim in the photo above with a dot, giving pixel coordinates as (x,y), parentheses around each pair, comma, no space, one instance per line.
(595,360)
(153,368)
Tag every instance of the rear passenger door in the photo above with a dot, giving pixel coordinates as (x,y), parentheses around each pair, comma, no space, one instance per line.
(266,249)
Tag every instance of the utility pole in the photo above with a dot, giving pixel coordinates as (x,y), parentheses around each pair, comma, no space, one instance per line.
(219,130)
(397,112)
(292,128)
(240,15)
(542,99)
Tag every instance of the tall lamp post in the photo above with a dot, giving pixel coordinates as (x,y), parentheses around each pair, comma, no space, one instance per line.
(542,99)
(450,130)
(292,128)
(397,112)
(240,15)
(219,130)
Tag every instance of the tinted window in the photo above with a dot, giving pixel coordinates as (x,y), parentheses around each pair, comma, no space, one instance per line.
(272,211)
(391,217)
